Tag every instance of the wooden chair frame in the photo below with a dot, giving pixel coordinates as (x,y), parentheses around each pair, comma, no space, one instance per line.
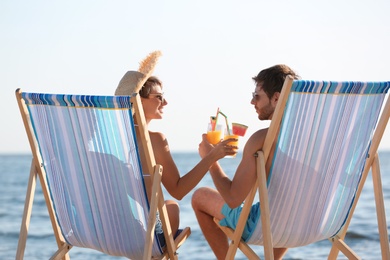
(156,200)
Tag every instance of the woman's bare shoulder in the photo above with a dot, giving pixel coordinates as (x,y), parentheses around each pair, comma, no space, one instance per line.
(159,141)
(156,135)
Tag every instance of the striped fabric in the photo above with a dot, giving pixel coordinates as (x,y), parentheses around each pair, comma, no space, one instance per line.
(324,139)
(93,170)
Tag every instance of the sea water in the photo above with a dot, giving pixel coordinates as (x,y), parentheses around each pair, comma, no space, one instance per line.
(14,172)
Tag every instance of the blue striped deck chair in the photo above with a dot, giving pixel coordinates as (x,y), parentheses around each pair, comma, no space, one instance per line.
(87,157)
(321,144)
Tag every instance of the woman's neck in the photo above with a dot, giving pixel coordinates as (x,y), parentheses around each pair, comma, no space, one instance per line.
(146,123)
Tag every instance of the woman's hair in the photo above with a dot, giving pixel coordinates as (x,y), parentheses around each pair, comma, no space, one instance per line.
(272,78)
(149,84)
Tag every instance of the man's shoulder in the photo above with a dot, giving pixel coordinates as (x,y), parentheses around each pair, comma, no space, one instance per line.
(259,134)
(256,140)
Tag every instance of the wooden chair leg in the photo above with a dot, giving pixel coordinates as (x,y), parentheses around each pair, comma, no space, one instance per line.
(62,252)
(32,183)
(344,248)
(380,209)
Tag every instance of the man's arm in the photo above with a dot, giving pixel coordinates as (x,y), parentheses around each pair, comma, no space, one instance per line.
(235,191)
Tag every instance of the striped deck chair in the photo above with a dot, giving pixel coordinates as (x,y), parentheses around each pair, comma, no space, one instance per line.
(86,156)
(322,141)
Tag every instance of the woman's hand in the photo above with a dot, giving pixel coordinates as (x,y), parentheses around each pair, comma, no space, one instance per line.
(217,151)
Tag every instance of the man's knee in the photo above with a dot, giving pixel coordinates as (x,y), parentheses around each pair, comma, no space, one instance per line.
(207,200)
(199,196)
(196,197)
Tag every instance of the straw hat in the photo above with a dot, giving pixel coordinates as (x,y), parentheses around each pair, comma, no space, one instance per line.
(133,81)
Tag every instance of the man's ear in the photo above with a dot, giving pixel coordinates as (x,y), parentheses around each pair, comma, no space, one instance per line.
(275,97)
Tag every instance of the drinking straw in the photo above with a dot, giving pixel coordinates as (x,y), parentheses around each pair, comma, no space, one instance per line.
(212,122)
(226,121)
(216,120)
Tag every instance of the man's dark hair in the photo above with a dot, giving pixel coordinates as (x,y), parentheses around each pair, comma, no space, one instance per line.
(272,78)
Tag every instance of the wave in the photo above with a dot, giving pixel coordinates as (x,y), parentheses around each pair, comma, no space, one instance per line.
(354,236)
(15,235)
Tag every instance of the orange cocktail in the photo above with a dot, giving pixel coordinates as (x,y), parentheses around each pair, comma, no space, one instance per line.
(215,136)
(233,143)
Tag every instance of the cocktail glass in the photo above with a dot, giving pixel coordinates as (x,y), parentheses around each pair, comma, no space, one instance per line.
(214,136)
(233,143)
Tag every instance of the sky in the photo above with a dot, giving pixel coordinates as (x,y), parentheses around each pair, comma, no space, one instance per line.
(211,50)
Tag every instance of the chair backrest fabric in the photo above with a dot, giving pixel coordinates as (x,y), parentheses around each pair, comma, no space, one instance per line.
(320,153)
(90,157)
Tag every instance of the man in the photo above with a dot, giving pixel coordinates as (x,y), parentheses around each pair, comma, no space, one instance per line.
(225,203)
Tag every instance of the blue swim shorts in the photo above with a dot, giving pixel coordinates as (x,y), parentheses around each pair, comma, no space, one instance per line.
(232,215)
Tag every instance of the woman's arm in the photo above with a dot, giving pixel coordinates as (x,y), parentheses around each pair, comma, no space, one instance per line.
(179,186)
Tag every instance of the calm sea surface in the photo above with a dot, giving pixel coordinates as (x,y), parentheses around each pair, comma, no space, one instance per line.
(14,171)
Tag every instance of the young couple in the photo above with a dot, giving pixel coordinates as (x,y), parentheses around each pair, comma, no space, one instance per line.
(225,201)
